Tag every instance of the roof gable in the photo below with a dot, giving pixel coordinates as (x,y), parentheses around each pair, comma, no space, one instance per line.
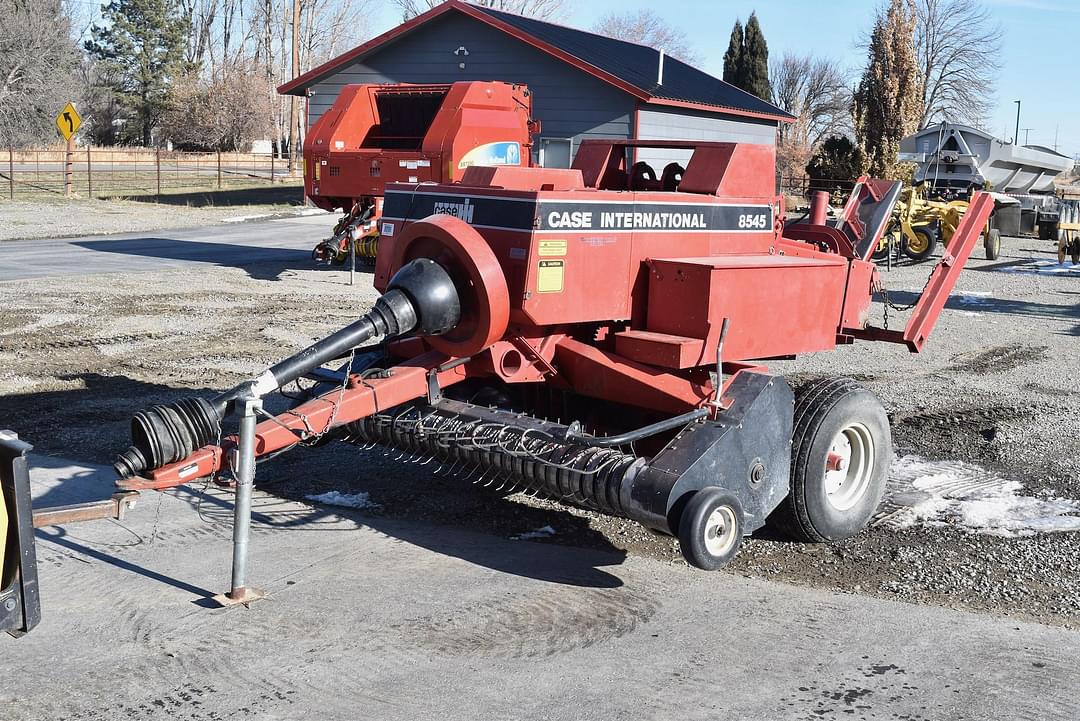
(638,65)
(631,67)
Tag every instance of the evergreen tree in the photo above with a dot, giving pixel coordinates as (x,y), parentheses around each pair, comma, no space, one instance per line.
(141,49)
(887,101)
(837,159)
(733,56)
(754,65)
(746,62)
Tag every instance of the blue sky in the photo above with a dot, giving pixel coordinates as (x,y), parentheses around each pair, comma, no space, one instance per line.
(1040,64)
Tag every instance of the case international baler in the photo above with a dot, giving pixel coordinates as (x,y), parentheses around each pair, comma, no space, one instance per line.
(640,319)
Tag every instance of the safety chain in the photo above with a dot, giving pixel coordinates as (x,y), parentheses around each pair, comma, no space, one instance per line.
(889,304)
(310,440)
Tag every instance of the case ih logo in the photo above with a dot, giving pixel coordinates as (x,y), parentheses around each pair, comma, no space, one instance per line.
(464,211)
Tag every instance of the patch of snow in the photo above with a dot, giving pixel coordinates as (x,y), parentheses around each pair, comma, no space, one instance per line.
(347,500)
(1049,267)
(544,532)
(244,218)
(972,297)
(935,494)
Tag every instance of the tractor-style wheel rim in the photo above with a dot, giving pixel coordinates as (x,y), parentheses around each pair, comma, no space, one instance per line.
(721,531)
(917,244)
(849,466)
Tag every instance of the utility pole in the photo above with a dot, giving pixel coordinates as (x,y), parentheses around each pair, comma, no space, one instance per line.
(294,103)
(1016,137)
(1027,134)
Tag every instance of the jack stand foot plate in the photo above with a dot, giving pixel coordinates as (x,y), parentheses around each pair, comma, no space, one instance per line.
(244,595)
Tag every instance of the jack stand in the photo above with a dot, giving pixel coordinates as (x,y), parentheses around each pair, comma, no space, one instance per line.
(245,481)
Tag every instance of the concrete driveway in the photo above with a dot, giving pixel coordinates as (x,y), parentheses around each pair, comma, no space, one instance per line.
(380,619)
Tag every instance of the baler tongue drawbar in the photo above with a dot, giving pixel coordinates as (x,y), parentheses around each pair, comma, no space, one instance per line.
(421,299)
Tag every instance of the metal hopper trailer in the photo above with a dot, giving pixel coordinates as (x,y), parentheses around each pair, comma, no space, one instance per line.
(953,160)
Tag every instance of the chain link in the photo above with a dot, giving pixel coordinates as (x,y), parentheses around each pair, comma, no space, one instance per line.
(889,304)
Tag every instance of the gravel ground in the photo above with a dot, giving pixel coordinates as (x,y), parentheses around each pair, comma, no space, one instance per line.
(22,219)
(996,387)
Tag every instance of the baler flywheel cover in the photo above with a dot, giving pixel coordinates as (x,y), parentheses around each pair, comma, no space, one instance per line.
(463,252)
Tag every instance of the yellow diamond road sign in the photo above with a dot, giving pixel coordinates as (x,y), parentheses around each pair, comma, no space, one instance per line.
(68,121)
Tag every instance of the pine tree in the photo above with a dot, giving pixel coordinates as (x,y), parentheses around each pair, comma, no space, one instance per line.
(141,49)
(754,65)
(887,101)
(837,159)
(733,56)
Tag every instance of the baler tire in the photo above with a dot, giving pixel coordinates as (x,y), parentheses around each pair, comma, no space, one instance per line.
(992,244)
(827,412)
(709,510)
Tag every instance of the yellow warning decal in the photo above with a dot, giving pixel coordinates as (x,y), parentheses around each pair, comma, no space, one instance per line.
(551,247)
(549,276)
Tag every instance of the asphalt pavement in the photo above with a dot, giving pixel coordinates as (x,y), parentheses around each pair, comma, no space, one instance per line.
(237,243)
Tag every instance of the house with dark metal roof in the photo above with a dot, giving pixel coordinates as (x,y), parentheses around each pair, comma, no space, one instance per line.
(584,85)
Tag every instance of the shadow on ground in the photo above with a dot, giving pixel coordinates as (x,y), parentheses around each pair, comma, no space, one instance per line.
(579,565)
(447,516)
(1066,311)
(260,263)
(269,195)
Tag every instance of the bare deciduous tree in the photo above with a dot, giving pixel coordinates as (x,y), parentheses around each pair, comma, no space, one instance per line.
(329,27)
(815,91)
(959,46)
(647,28)
(543,9)
(225,112)
(38,70)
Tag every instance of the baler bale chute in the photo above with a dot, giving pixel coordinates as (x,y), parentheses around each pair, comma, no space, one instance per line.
(639,319)
(379,134)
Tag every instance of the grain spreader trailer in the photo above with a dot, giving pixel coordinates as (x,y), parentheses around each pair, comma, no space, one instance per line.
(379,134)
(580,334)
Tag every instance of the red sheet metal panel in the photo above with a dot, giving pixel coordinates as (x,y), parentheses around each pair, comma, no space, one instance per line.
(598,374)
(777,305)
(862,278)
(661,349)
(379,134)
